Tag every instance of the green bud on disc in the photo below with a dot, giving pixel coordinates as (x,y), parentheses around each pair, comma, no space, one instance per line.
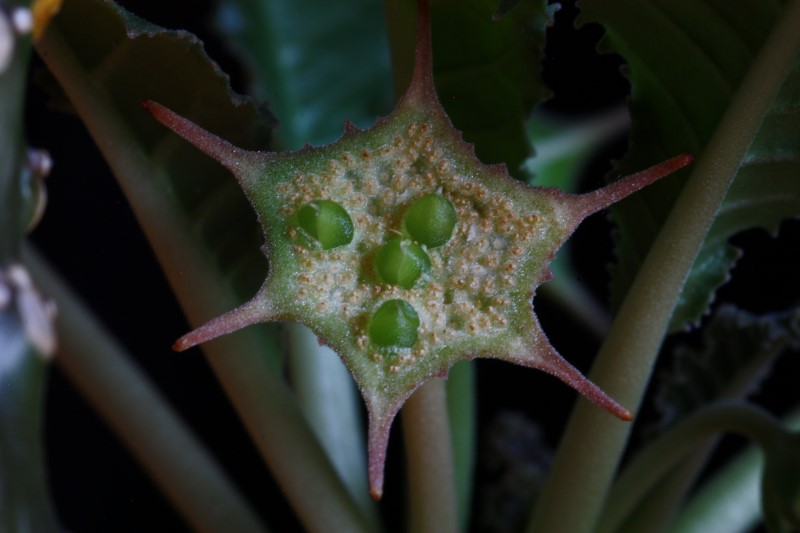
(395,323)
(401,262)
(327,222)
(431,219)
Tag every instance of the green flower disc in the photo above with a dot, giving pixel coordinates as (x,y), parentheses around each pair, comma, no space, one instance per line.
(400,262)
(394,324)
(327,222)
(431,220)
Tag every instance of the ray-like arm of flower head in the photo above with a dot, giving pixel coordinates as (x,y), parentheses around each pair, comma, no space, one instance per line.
(228,155)
(255,311)
(583,205)
(535,351)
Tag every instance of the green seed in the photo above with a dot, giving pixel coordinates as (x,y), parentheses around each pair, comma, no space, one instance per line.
(431,219)
(395,323)
(401,262)
(327,222)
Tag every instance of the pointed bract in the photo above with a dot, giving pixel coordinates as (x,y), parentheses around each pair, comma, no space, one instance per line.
(474,299)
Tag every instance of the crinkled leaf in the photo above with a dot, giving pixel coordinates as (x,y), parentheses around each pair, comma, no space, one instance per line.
(686,59)
(317,63)
(738,348)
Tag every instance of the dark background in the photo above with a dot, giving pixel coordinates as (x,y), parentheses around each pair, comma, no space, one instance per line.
(88,232)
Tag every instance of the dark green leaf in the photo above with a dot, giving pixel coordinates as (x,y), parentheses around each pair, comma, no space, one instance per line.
(685,60)
(317,62)
(487,72)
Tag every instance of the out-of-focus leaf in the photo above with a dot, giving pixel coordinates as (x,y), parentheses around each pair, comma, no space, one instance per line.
(780,484)
(144,421)
(564,148)
(134,60)
(26,336)
(515,461)
(686,59)
(738,348)
(195,217)
(728,502)
(318,63)
(24,498)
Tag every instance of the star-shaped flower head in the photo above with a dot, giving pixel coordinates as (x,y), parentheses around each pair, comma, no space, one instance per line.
(403,252)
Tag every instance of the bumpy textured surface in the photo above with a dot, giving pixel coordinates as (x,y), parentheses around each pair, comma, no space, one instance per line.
(474,299)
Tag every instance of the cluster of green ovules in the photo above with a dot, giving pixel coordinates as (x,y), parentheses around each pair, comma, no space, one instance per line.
(410,254)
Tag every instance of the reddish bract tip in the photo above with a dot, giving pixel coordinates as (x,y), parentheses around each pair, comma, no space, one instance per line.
(625,416)
(183,344)
(255,311)
(595,201)
(379,425)
(216,147)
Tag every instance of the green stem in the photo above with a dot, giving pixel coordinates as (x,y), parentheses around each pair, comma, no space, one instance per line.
(253,384)
(579,481)
(660,458)
(461,410)
(655,509)
(662,502)
(328,397)
(430,460)
(730,502)
(98,367)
